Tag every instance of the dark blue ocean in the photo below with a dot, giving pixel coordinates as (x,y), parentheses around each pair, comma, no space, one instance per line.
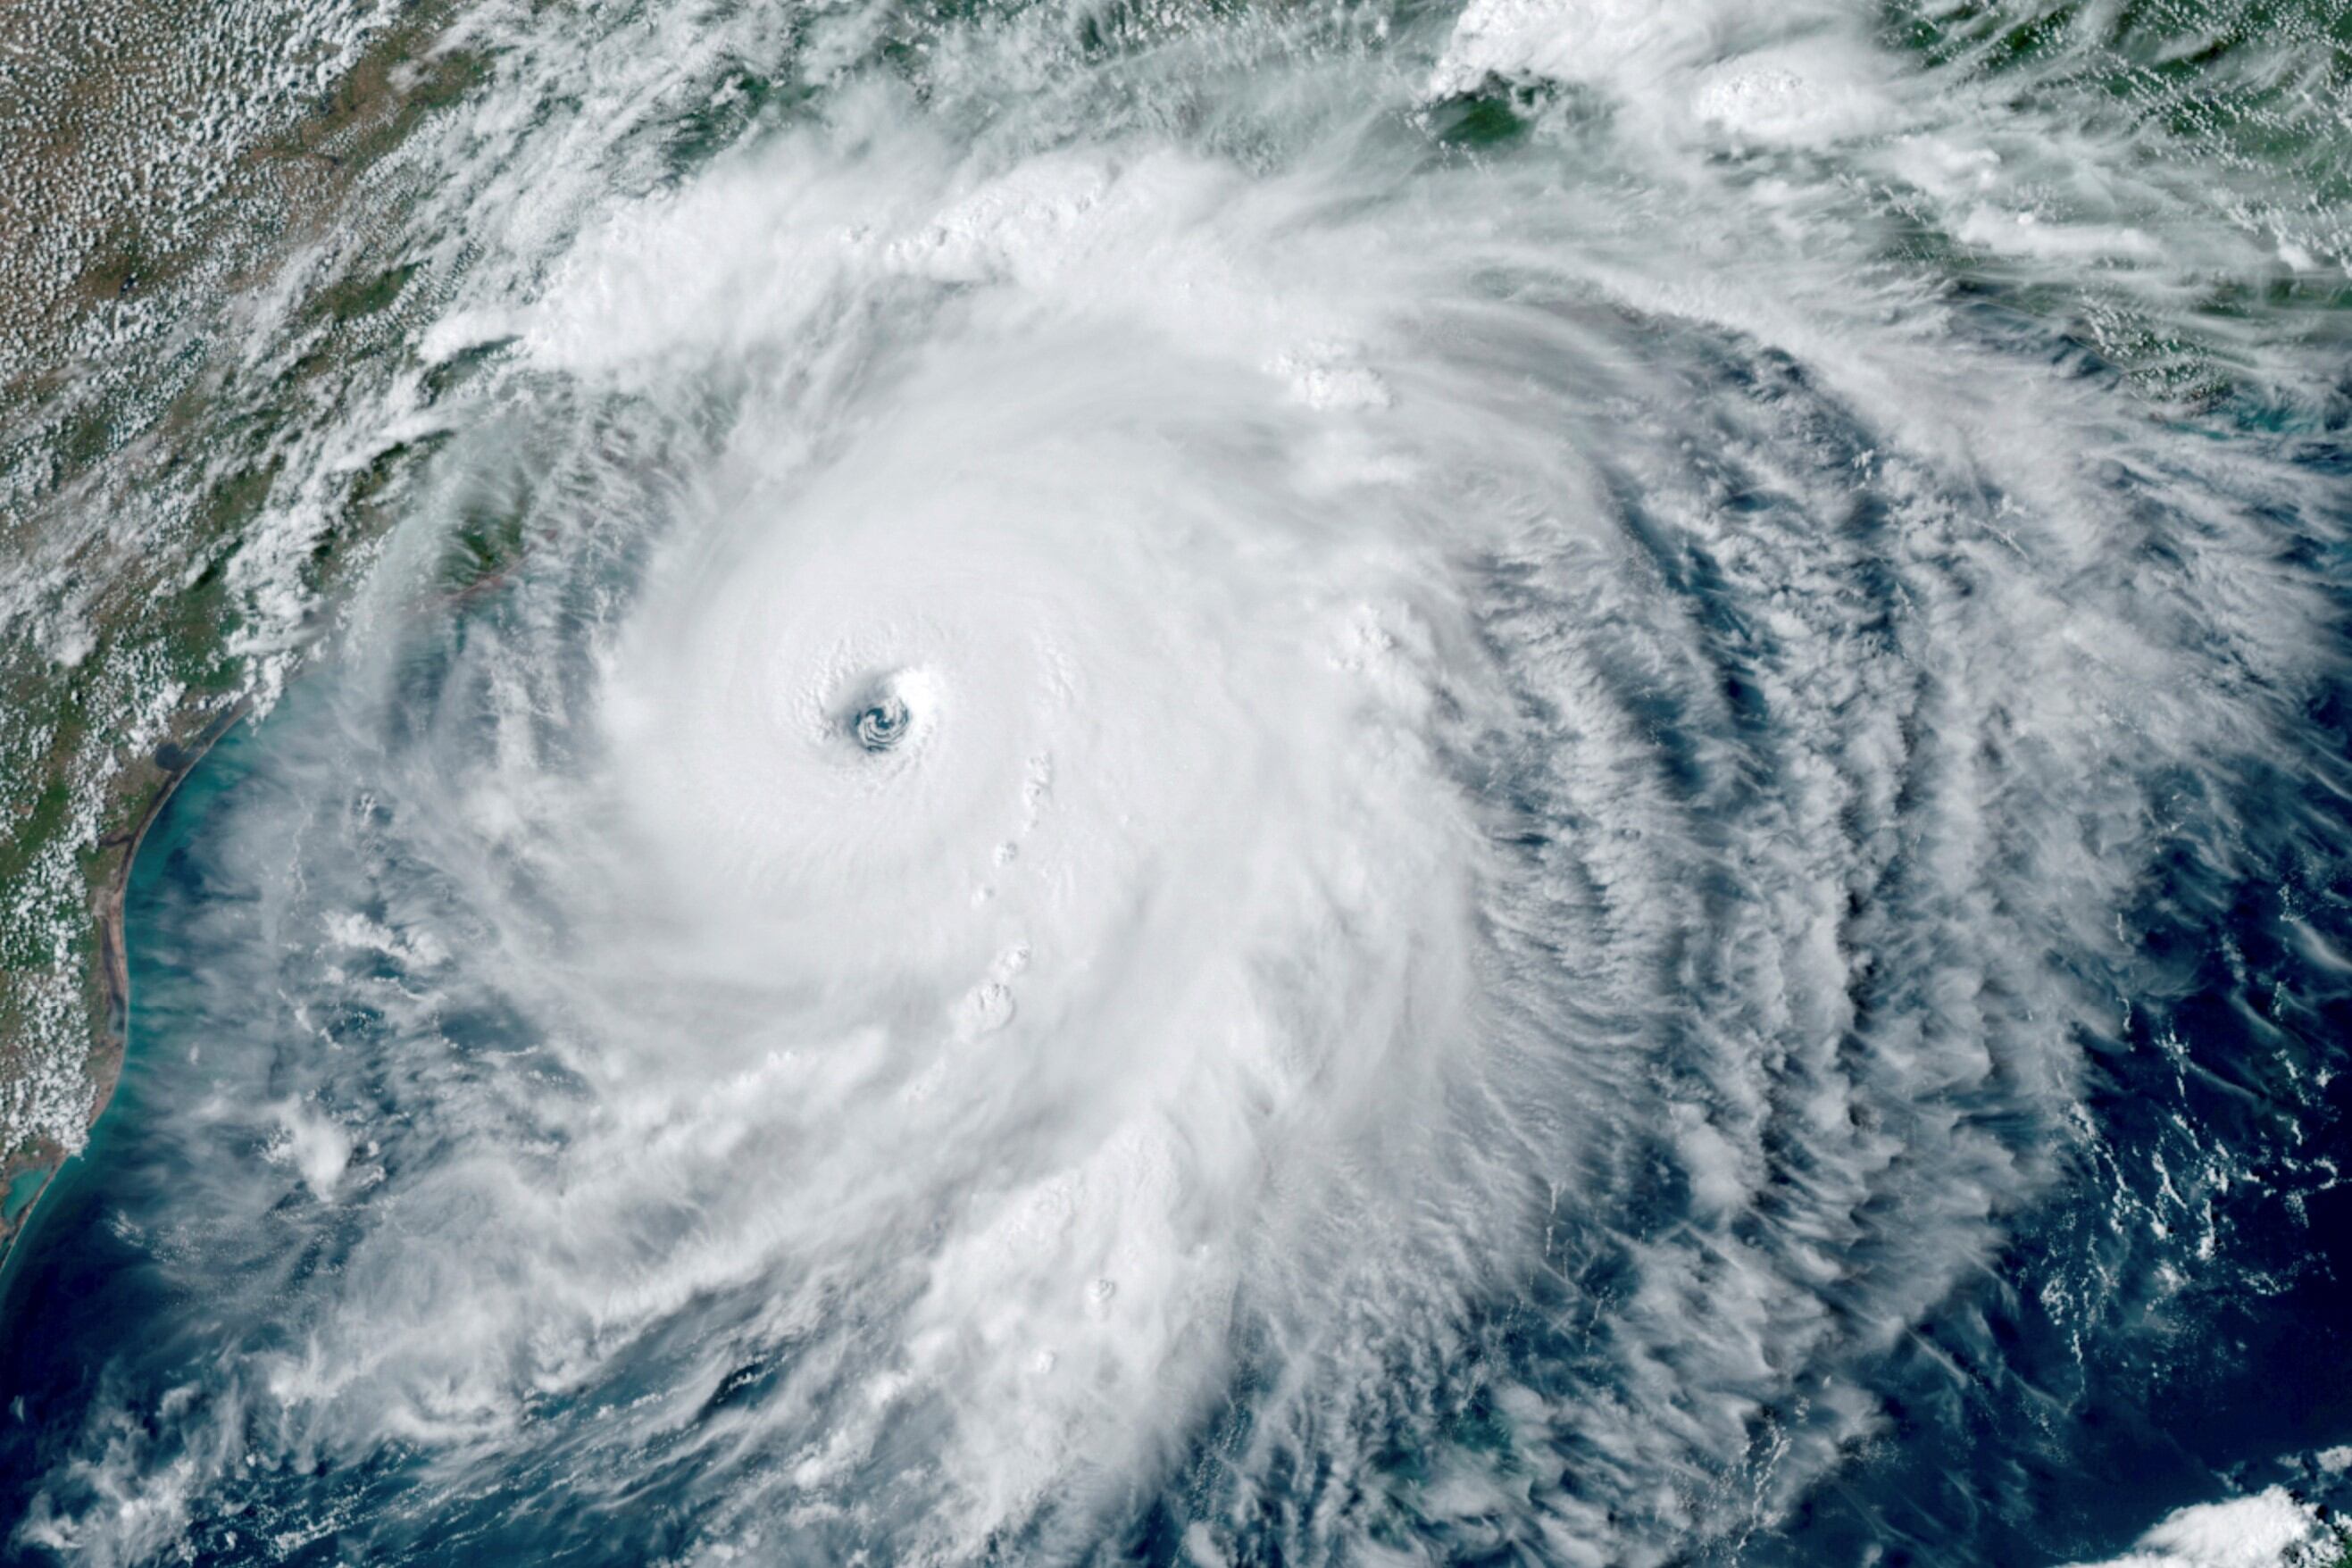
(2196,1248)
(1553,782)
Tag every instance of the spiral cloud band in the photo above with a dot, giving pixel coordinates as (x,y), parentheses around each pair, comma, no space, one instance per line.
(1205,826)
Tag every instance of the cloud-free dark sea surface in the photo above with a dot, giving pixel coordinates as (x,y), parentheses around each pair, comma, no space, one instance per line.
(1557,782)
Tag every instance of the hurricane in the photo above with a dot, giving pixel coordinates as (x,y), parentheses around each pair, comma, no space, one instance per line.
(1325,783)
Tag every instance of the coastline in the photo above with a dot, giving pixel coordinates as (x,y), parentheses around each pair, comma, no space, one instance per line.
(119,497)
(169,766)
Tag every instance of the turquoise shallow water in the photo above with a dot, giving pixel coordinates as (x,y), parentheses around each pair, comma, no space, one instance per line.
(2099,1372)
(1550,784)
(21,1191)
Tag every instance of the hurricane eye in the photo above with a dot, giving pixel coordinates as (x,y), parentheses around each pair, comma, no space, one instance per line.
(887,711)
(881,723)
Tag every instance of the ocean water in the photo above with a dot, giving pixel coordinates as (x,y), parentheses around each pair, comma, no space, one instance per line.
(1558,784)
